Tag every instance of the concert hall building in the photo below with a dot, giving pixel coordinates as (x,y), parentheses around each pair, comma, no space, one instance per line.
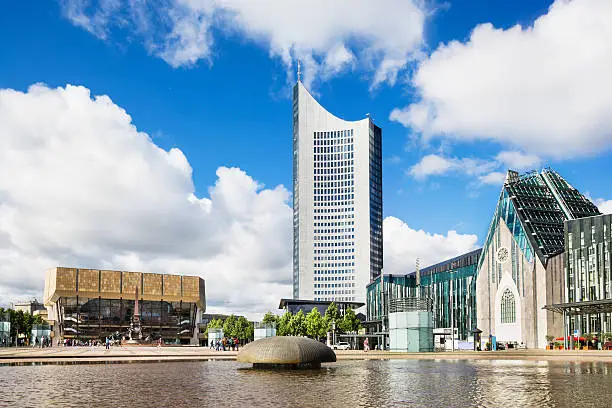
(91,304)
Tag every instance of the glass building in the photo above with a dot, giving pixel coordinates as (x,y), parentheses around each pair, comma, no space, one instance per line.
(92,304)
(5,330)
(521,267)
(588,275)
(337,202)
(293,306)
(450,284)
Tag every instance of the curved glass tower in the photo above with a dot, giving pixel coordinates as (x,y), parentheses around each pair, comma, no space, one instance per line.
(337,202)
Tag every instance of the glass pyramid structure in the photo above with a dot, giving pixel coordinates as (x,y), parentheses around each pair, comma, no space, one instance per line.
(534,206)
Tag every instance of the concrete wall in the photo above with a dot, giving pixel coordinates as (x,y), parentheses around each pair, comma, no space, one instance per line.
(555,293)
(533,289)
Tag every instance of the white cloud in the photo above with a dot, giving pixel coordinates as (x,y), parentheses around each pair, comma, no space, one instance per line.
(84,187)
(403,245)
(518,160)
(95,21)
(487,170)
(605,206)
(393,159)
(433,164)
(328,36)
(494,178)
(545,88)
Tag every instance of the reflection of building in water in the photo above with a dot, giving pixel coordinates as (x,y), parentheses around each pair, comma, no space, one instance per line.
(91,303)
(521,266)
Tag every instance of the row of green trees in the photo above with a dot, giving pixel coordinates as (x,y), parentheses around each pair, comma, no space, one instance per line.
(21,322)
(233,326)
(313,324)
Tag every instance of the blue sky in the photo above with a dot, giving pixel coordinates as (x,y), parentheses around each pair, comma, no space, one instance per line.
(235,110)
(230,105)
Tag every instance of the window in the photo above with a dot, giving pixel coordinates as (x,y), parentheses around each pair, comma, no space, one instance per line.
(508,307)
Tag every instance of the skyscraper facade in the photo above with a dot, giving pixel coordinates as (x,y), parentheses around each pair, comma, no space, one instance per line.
(337,202)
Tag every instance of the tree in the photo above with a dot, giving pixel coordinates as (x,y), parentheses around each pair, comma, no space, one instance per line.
(283,324)
(297,324)
(350,322)
(315,324)
(332,315)
(21,322)
(214,324)
(270,318)
(229,326)
(250,332)
(242,328)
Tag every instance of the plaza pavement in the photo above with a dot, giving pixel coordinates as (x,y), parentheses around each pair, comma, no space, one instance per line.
(91,355)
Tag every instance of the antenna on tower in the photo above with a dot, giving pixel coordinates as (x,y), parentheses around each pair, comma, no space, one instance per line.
(299,72)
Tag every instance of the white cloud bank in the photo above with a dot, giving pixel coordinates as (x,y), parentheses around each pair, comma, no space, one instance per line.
(605,206)
(546,88)
(486,170)
(83,187)
(403,245)
(433,164)
(328,36)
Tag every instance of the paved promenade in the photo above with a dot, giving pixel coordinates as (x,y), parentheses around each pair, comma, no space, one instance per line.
(68,355)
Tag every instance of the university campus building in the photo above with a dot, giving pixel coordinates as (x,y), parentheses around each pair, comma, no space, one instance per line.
(544,271)
(521,268)
(451,286)
(587,308)
(294,306)
(337,203)
(92,304)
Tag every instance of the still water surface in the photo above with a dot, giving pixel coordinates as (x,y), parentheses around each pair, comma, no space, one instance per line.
(373,383)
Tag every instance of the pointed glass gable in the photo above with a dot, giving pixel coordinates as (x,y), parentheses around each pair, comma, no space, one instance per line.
(534,207)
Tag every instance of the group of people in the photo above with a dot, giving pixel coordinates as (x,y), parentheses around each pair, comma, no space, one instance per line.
(225,344)
(43,342)
(76,342)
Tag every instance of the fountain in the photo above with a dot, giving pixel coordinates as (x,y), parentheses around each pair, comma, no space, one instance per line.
(135,331)
(286,352)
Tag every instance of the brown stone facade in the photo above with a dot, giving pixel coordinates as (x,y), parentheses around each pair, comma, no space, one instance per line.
(107,284)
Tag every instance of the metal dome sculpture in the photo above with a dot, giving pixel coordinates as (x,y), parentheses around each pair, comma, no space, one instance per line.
(286,352)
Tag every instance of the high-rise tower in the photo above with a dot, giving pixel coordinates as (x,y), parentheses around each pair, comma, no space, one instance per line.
(337,202)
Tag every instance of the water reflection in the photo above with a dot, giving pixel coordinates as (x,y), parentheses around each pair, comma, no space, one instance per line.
(371,383)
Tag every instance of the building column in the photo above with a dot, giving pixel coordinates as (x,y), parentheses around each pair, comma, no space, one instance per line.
(565,329)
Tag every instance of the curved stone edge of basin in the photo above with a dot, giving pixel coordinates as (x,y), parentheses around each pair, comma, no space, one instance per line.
(286,350)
